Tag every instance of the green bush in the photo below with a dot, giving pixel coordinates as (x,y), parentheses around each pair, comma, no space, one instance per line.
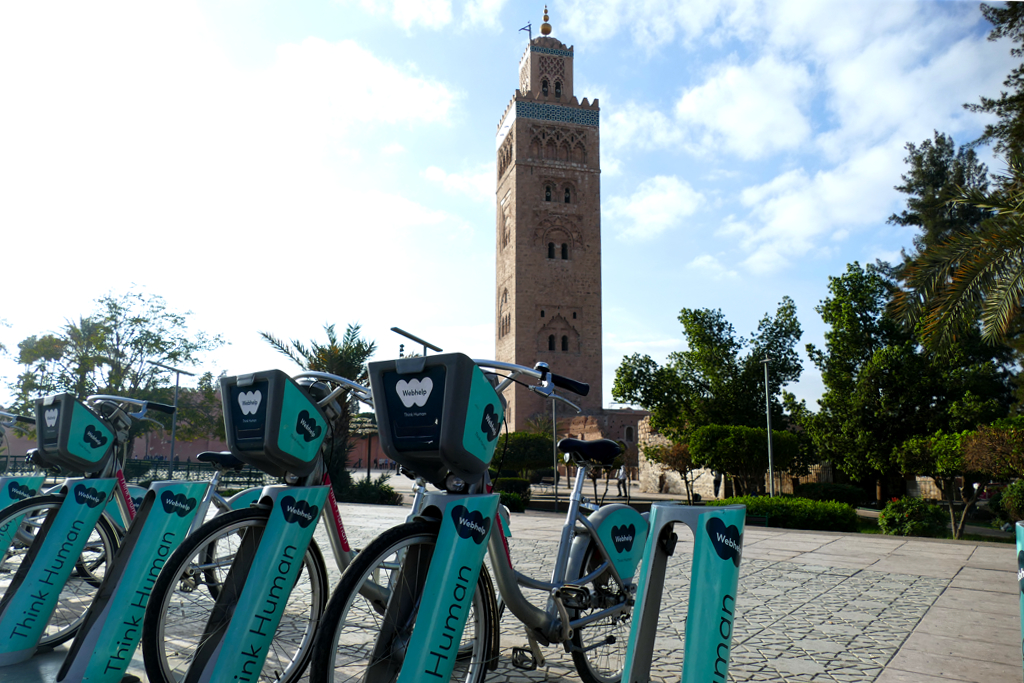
(520,487)
(912,517)
(841,493)
(797,513)
(513,501)
(1012,501)
(369,491)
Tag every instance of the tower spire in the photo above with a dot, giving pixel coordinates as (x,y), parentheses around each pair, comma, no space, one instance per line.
(545,28)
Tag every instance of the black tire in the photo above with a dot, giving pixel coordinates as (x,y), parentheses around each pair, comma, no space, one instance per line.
(81,587)
(187,589)
(352,622)
(599,648)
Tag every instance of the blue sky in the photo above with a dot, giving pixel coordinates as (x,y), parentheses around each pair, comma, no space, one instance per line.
(275,165)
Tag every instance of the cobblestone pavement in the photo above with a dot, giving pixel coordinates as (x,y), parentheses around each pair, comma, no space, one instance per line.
(812,607)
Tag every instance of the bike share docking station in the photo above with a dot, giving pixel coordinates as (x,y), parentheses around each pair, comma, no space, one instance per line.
(1019,528)
(714,580)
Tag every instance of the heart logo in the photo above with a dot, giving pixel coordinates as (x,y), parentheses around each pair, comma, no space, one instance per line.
(307,427)
(298,512)
(51,417)
(177,503)
(622,537)
(88,496)
(728,541)
(19,491)
(415,392)
(137,502)
(94,438)
(470,524)
(249,401)
(490,425)
(1020,570)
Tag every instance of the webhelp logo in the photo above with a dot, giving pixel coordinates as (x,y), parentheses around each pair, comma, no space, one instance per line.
(249,402)
(415,392)
(51,417)
(728,541)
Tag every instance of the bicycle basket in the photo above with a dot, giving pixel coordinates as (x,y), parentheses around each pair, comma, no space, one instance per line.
(71,436)
(437,415)
(272,423)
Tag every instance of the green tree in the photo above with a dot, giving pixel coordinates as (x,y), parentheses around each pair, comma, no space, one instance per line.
(676,457)
(1007,133)
(743,452)
(719,379)
(524,451)
(345,357)
(108,352)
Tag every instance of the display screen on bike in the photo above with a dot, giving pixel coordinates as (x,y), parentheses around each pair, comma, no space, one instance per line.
(415,407)
(249,412)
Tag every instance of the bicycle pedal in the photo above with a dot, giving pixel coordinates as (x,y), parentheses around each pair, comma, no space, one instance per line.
(573,597)
(523,659)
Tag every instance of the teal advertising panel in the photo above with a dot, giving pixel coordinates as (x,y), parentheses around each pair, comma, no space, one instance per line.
(32,596)
(302,426)
(483,419)
(623,533)
(13,489)
(717,550)
(275,568)
(1020,577)
(107,640)
(449,588)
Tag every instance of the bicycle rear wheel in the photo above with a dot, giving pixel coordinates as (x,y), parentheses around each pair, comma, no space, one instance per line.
(78,592)
(186,591)
(352,626)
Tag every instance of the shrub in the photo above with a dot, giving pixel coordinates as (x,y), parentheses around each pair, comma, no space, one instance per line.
(520,487)
(1012,501)
(841,493)
(912,517)
(797,513)
(369,491)
(513,501)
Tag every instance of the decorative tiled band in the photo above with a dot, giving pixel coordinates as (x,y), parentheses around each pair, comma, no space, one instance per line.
(550,51)
(554,112)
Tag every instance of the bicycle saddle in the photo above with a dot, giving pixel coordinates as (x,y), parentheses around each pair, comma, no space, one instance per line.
(601,452)
(222,461)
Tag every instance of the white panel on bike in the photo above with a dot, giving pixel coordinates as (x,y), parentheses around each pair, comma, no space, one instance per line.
(71,436)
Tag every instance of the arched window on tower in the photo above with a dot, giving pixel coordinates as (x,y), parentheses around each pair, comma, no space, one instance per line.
(551,250)
(568,197)
(547,193)
(551,342)
(565,343)
(558,88)
(544,87)
(542,312)
(565,251)
(629,434)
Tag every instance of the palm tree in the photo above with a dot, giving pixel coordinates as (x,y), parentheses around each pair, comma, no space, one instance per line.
(346,358)
(972,277)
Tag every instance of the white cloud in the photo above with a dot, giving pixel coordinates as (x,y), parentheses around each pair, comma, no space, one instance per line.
(652,23)
(751,111)
(659,204)
(393,148)
(431,14)
(636,125)
(484,13)
(477,185)
(714,268)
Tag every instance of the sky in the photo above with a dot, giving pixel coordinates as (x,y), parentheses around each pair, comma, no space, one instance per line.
(277,166)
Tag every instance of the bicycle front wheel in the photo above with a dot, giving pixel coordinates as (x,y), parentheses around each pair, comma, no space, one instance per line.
(186,591)
(78,592)
(353,622)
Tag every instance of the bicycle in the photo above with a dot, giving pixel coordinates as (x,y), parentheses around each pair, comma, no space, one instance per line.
(376,636)
(212,577)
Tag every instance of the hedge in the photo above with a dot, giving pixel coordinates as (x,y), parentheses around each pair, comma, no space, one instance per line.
(841,493)
(797,513)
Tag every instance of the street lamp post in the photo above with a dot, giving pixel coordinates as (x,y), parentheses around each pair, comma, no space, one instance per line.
(426,344)
(768,417)
(174,418)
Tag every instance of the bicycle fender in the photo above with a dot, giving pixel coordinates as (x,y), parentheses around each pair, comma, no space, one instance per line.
(466,524)
(244,499)
(33,593)
(623,533)
(110,634)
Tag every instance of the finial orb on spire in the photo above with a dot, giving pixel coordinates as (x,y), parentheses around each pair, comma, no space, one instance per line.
(545,28)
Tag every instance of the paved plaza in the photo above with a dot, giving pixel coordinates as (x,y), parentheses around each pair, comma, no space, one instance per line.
(812,607)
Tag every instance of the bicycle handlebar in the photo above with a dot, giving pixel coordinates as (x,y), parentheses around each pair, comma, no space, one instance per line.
(14,418)
(361,393)
(540,371)
(143,405)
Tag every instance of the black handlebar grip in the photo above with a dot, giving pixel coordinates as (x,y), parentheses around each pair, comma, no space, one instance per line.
(160,407)
(26,420)
(579,388)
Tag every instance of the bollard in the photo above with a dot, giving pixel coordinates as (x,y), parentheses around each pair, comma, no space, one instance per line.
(714,579)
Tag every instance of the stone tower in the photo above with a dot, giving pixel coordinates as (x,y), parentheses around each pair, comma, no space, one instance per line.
(548,298)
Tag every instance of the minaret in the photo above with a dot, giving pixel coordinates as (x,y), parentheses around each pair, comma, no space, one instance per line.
(548,303)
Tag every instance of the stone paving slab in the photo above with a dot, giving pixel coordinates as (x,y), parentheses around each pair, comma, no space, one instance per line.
(813,607)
